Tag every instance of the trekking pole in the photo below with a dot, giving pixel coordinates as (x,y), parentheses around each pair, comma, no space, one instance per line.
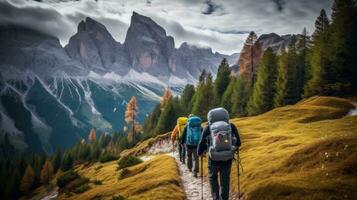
(238,161)
(201,177)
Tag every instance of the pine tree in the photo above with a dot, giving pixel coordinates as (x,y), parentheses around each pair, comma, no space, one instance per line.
(131,114)
(204,99)
(56,160)
(222,80)
(341,71)
(240,96)
(92,135)
(263,92)
(288,87)
(168,116)
(67,162)
(27,180)
(186,98)
(227,95)
(151,122)
(303,47)
(46,173)
(318,57)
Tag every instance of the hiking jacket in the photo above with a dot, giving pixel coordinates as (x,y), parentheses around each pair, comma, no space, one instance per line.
(205,142)
(175,133)
(183,139)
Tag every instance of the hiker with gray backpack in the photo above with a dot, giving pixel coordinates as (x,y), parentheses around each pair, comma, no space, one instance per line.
(190,138)
(220,139)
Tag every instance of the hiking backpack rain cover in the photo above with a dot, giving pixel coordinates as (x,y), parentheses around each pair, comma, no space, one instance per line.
(221,141)
(193,134)
(181,122)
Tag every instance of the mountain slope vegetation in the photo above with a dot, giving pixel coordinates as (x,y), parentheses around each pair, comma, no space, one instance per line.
(302,151)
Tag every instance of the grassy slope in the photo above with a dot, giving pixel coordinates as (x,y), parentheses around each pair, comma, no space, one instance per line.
(154,179)
(304,151)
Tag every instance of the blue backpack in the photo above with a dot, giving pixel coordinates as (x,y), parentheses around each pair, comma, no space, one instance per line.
(193,134)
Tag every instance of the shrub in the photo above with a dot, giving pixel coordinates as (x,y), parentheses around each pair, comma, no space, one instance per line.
(128,161)
(118,197)
(123,173)
(97,182)
(81,188)
(65,178)
(106,157)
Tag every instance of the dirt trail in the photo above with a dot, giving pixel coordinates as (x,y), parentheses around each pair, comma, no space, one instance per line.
(353,112)
(190,184)
(51,195)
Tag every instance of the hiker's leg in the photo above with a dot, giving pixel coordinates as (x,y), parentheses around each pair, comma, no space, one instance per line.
(183,153)
(189,158)
(213,175)
(225,172)
(179,149)
(195,156)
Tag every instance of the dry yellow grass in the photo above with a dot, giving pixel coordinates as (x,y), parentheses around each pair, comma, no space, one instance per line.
(154,179)
(301,151)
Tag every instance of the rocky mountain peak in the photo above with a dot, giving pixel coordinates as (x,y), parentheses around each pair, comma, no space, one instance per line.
(96,49)
(148,46)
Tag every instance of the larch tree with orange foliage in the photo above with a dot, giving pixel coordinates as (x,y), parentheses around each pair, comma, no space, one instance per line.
(27,180)
(92,136)
(131,114)
(166,98)
(46,173)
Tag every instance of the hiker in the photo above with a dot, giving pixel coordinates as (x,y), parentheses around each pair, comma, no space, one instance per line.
(176,136)
(190,139)
(220,139)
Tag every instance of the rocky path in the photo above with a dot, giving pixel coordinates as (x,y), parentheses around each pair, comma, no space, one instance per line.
(52,195)
(192,185)
(353,112)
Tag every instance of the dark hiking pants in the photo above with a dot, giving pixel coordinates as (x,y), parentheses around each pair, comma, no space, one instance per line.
(192,157)
(219,191)
(182,152)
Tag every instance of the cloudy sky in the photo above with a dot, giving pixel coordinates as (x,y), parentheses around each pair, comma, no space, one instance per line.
(220,24)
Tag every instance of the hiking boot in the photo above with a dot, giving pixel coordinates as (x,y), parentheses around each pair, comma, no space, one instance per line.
(195,174)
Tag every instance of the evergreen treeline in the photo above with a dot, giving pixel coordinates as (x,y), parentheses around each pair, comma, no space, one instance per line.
(20,173)
(323,64)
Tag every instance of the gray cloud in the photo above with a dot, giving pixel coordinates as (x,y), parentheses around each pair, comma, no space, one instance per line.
(220,24)
(211,7)
(45,20)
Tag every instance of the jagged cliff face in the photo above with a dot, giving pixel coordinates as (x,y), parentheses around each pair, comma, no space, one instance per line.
(148,46)
(96,49)
(52,96)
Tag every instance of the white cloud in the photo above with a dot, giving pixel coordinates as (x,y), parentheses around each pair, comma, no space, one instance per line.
(220,24)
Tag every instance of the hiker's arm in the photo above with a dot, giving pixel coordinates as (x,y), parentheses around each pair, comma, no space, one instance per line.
(202,145)
(236,134)
(174,134)
(183,137)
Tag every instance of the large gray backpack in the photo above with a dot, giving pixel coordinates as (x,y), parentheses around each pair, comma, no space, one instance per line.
(221,141)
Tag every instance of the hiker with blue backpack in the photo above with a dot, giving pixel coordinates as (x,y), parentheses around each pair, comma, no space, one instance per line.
(190,138)
(220,139)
